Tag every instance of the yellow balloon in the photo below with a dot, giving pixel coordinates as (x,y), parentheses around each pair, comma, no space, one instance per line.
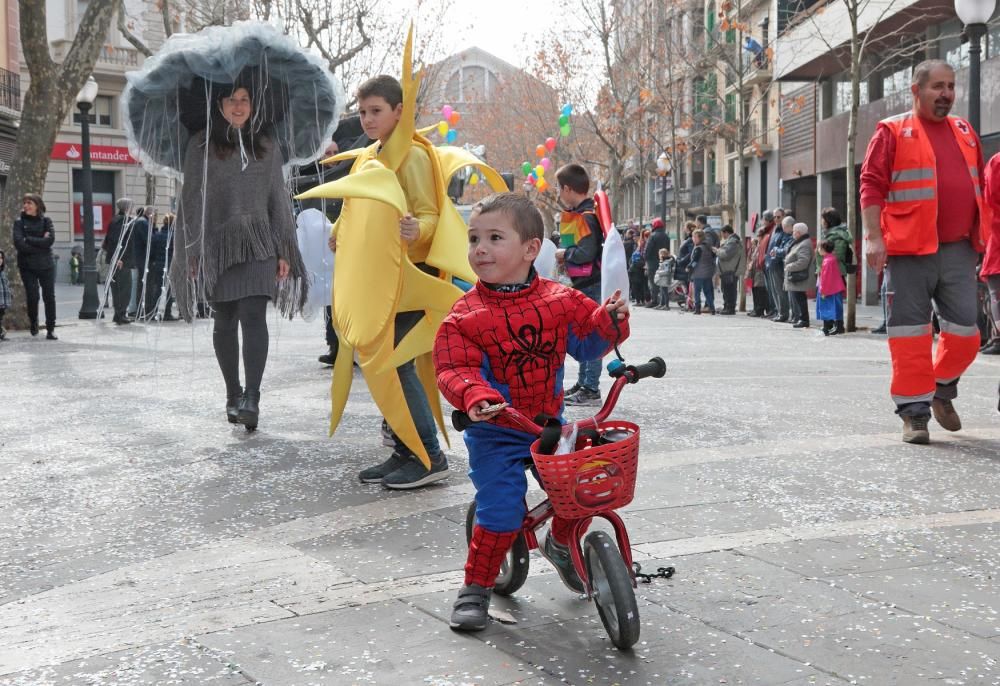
(443,128)
(539,171)
(474,179)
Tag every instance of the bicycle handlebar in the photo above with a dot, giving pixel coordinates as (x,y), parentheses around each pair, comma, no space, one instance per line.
(623,374)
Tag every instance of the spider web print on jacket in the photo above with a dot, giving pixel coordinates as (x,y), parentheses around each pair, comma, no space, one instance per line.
(512,346)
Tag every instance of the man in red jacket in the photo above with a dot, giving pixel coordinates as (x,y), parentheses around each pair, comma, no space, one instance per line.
(913,161)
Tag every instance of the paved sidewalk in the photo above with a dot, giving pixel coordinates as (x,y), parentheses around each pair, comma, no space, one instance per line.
(147,541)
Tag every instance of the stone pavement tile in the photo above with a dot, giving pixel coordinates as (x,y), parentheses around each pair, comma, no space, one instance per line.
(676,487)
(738,594)
(718,518)
(886,647)
(835,557)
(180,663)
(561,631)
(418,544)
(956,595)
(387,643)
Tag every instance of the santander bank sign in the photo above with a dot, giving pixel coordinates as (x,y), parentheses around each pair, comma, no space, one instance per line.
(100,154)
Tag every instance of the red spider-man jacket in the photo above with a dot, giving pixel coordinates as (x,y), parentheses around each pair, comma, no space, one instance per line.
(512,347)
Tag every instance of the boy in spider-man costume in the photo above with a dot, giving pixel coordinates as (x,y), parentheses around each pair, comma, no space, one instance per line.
(506,342)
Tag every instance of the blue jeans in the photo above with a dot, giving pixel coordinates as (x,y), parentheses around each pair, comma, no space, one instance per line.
(420,410)
(590,372)
(704,286)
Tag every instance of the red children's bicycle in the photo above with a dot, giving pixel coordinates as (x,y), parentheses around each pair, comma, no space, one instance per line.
(593,480)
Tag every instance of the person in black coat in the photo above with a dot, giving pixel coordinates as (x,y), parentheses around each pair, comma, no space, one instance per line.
(33,238)
(120,271)
(658,240)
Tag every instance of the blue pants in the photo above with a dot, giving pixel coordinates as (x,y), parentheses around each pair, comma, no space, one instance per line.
(704,286)
(590,372)
(496,467)
(420,410)
(413,392)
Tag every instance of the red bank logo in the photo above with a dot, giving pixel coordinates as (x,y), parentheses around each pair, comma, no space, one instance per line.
(100,154)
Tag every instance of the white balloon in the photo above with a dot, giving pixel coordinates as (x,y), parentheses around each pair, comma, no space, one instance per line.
(313,234)
(614,269)
(545,263)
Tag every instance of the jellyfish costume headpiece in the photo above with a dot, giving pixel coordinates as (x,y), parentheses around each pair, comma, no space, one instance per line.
(172,110)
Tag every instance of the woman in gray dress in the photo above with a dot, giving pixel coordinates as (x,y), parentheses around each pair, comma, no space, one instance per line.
(235,244)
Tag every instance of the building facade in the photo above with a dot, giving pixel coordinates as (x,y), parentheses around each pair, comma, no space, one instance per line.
(115,173)
(10,86)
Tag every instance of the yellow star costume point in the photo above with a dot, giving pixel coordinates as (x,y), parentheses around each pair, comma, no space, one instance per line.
(375,277)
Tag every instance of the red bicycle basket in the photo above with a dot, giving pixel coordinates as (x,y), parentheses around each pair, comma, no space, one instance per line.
(592,478)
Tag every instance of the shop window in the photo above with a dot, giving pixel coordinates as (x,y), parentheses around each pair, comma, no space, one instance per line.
(100,112)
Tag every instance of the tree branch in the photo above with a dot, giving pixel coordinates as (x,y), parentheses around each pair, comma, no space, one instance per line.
(35,38)
(129,36)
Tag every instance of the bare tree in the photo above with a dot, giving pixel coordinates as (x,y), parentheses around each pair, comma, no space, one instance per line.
(48,100)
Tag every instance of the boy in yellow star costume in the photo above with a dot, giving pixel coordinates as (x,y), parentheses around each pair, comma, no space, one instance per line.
(400,243)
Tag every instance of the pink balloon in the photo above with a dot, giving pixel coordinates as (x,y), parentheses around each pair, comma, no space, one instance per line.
(546,163)
(446,111)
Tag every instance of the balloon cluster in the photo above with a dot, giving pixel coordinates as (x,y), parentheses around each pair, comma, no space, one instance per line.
(536,172)
(446,127)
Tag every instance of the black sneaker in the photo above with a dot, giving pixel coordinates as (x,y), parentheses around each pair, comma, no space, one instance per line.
(328,359)
(413,474)
(584,398)
(570,391)
(559,556)
(374,475)
(471,609)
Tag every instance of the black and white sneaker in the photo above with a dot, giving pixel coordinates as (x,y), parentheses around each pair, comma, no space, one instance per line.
(572,390)
(413,474)
(374,475)
(584,398)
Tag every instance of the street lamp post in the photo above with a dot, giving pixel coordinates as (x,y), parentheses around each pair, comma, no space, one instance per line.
(974,14)
(84,100)
(663,169)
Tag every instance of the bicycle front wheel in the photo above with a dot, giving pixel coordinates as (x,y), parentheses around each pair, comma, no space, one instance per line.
(612,589)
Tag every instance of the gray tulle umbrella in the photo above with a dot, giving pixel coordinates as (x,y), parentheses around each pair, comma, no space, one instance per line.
(296,99)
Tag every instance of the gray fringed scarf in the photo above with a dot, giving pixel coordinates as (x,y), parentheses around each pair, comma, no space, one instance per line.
(229,216)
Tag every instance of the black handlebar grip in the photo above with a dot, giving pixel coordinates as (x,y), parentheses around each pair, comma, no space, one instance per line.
(460,420)
(656,367)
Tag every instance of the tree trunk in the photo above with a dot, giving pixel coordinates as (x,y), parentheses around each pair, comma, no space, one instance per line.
(46,104)
(741,123)
(40,113)
(850,316)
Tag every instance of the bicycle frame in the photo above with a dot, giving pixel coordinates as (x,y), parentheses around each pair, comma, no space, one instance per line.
(542,512)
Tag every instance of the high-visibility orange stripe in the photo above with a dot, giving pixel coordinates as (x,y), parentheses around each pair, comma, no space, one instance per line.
(953,356)
(912,366)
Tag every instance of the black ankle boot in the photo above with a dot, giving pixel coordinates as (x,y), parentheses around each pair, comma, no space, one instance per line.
(233,399)
(34,328)
(249,410)
(50,334)
(840,327)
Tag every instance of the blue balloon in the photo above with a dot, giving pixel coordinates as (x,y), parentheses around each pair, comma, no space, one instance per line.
(567,109)
(451,136)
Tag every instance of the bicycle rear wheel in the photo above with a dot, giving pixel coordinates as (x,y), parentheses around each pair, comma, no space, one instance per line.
(612,589)
(514,568)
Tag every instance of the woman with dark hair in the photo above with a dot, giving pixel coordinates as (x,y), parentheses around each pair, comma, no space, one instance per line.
(235,244)
(33,238)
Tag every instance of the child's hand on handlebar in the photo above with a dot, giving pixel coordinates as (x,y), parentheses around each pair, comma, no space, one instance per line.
(617,306)
(484,410)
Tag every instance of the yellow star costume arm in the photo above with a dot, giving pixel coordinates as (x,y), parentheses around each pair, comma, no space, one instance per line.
(375,276)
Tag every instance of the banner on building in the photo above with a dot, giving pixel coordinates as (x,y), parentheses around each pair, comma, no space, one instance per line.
(99,154)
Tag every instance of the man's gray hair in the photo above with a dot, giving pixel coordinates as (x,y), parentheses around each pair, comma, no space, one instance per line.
(768,216)
(800,228)
(788,223)
(922,72)
(124,204)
